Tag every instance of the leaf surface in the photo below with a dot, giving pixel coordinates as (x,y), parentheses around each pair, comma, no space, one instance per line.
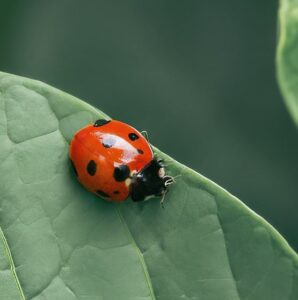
(287,55)
(68,244)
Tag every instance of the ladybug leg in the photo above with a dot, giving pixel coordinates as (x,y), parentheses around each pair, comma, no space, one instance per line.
(145,134)
(162,200)
(101,122)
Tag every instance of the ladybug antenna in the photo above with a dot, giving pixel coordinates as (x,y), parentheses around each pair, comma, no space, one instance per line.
(174,177)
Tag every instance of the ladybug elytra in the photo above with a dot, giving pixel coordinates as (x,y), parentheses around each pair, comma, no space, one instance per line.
(115,161)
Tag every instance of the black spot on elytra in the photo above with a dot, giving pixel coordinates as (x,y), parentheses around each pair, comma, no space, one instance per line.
(108,142)
(140,151)
(74,168)
(101,122)
(91,168)
(132,136)
(121,173)
(102,194)
(116,192)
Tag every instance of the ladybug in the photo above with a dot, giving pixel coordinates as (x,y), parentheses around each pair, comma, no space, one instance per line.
(115,161)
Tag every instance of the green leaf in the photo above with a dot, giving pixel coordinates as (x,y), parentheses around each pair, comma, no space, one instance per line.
(287,55)
(9,283)
(68,244)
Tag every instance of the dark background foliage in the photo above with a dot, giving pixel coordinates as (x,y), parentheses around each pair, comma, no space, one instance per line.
(198,76)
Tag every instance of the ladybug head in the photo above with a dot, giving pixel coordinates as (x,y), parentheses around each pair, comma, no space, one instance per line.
(151,181)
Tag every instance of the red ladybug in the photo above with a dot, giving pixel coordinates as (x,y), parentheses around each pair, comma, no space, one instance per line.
(115,161)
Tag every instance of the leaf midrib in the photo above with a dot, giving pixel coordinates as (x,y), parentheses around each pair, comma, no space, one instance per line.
(12,265)
(137,250)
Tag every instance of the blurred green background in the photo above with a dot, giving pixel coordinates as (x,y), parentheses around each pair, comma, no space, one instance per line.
(199,76)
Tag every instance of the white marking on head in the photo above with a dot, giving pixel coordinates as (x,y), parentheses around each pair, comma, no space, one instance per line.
(128,182)
(132,173)
(161,172)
